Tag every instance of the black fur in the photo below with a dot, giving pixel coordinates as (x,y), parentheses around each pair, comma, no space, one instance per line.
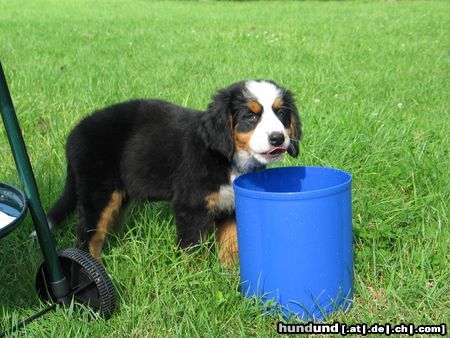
(291,110)
(155,150)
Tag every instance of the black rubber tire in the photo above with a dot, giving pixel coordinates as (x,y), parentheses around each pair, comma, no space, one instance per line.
(81,271)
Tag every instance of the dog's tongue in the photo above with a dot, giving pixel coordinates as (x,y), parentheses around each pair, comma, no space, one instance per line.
(277,150)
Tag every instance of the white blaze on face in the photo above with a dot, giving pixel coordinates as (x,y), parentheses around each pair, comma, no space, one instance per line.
(265,93)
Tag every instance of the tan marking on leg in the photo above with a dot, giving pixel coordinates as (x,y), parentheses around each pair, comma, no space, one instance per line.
(118,220)
(106,220)
(241,140)
(278,103)
(226,235)
(255,107)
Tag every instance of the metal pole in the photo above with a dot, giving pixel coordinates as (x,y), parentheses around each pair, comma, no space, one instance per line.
(58,282)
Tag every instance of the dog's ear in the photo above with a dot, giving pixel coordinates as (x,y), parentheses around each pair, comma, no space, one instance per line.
(216,125)
(295,135)
(295,127)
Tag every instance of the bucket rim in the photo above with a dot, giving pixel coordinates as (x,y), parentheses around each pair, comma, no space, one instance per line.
(293,195)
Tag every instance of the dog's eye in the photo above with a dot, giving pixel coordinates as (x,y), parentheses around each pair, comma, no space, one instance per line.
(251,116)
(281,112)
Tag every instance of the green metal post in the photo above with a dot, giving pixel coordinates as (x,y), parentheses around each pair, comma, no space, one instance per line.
(57,280)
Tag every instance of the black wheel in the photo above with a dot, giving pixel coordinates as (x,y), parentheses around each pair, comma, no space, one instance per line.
(88,282)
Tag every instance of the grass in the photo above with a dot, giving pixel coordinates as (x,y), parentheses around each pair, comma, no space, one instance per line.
(371,80)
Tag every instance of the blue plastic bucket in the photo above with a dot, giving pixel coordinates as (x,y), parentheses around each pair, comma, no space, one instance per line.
(295,238)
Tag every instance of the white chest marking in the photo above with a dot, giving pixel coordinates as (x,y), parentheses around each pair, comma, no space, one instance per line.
(226,194)
(226,198)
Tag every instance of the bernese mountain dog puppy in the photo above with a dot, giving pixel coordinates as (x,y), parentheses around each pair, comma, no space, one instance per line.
(155,150)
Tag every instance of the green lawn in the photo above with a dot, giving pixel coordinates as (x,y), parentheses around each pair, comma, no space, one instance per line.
(371,81)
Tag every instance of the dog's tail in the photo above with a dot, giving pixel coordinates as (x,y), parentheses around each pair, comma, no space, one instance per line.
(66,203)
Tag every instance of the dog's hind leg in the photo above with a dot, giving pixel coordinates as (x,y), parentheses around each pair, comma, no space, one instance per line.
(119,218)
(98,213)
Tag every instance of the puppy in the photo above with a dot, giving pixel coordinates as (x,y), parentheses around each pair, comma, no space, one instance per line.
(155,150)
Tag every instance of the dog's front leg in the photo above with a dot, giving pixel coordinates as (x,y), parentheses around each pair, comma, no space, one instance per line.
(193,226)
(226,235)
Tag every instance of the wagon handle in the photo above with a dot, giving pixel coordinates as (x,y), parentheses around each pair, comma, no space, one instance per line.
(58,281)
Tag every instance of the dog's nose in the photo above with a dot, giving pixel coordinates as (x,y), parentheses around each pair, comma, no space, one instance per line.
(276,138)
